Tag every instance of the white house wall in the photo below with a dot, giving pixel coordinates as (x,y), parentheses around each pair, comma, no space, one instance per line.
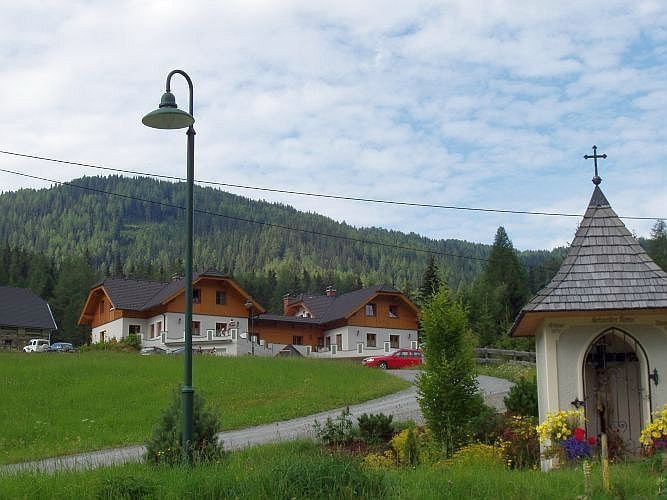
(354,335)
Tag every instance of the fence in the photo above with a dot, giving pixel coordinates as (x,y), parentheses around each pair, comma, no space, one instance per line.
(486,355)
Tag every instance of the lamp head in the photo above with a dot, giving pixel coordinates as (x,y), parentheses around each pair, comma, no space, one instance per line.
(168,116)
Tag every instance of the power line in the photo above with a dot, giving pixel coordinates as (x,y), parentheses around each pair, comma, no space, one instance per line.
(251,221)
(315,195)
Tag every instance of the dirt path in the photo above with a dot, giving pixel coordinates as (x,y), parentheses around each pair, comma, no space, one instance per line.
(402,405)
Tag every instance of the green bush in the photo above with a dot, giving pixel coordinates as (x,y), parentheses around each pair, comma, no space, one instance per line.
(165,445)
(522,398)
(375,428)
(335,432)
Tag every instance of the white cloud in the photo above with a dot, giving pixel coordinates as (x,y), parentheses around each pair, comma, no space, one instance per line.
(475,103)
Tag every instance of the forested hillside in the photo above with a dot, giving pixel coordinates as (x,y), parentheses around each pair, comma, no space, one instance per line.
(122,235)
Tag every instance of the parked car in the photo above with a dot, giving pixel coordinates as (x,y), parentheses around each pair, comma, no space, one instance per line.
(402,358)
(149,351)
(37,345)
(62,347)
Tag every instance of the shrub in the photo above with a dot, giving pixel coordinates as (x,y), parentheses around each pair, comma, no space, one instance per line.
(520,444)
(478,454)
(132,341)
(654,436)
(375,428)
(522,398)
(165,445)
(335,432)
(415,445)
(487,425)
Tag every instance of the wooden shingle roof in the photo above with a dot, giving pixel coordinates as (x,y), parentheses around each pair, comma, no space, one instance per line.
(605,269)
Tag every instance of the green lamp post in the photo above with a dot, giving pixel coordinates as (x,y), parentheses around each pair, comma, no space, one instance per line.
(168,116)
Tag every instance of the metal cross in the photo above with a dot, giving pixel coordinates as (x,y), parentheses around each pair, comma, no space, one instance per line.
(597,179)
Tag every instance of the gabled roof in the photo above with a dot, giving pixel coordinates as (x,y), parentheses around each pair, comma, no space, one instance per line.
(20,307)
(605,269)
(325,309)
(143,295)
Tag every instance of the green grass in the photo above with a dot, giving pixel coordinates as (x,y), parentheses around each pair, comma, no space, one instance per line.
(303,470)
(56,404)
(508,370)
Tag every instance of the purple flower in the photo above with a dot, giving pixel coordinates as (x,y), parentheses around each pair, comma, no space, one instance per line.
(575,449)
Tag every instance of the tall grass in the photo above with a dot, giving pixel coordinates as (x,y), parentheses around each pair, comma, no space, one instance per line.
(55,404)
(303,470)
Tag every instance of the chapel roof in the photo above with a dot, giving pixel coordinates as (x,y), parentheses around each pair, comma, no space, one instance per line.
(605,269)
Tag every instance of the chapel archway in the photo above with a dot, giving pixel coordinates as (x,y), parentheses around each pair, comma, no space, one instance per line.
(616,390)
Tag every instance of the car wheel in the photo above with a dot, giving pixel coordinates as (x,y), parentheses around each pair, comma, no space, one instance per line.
(383,365)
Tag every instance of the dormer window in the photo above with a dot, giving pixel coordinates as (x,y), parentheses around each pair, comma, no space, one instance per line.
(393,311)
(370,309)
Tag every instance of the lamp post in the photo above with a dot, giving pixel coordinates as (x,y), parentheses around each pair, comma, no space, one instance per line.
(250,307)
(168,116)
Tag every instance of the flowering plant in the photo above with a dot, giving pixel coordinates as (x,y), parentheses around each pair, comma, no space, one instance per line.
(654,435)
(565,436)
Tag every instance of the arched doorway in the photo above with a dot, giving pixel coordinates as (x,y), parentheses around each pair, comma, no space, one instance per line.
(616,390)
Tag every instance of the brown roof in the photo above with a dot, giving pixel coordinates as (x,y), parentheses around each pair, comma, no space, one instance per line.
(326,309)
(605,269)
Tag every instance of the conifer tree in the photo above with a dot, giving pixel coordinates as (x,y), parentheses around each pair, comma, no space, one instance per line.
(431,282)
(447,386)
(657,246)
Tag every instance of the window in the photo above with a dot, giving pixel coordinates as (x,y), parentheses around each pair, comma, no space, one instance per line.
(393,311)
(220,328)
(220,298)
(339,341)
(393,341)
(297,340)
(371,340)
(158,328)
(196,296)
(370,309)
(135,329)
(196,328)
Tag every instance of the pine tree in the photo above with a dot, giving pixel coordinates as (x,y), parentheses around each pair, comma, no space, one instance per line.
(431,282)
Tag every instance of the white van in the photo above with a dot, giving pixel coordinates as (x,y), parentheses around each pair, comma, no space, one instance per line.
(37,345)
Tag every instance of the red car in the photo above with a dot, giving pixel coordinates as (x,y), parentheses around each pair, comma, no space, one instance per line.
(402,358)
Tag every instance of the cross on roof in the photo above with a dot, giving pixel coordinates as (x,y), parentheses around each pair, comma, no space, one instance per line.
(597,179)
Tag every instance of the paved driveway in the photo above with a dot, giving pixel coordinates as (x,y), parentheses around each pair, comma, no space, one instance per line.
(402,405)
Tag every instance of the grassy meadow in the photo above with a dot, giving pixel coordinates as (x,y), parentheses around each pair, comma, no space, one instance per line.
(57,404)
(303,470)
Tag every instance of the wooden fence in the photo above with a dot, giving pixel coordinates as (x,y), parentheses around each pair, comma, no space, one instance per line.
(486,355)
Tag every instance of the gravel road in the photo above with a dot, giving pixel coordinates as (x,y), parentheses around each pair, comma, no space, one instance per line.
(402,405)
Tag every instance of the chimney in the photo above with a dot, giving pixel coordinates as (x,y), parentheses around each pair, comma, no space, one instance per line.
(286,300)
(330,291)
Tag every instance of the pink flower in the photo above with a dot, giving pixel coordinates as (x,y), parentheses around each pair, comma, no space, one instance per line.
(592,440)
(579,434)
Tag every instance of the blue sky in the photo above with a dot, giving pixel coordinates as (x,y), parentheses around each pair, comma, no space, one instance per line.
(469,103)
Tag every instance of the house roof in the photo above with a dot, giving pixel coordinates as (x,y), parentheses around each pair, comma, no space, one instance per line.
(142,295)
(605,269)
(20,307)
(325,309)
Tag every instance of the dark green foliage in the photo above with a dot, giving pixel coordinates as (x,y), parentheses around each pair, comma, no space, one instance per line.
(522,398)
(375,428)
(431,282)
(657,245)
(337,431)
(133,341)
(447,385)
(496,297)
(411,448)
(165,447)
(487,423)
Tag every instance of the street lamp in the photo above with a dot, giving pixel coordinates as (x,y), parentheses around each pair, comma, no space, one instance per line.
(250,307)
(168,116)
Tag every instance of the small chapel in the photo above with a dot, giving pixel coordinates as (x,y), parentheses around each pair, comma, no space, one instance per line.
(600,329)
